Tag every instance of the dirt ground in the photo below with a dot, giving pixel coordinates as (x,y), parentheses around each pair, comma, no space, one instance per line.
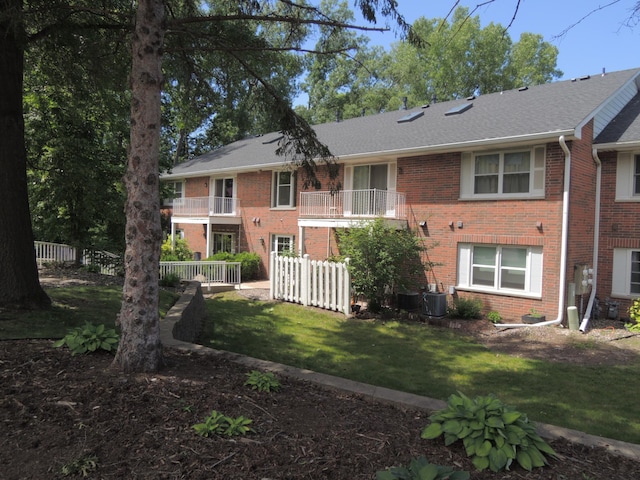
(61,413)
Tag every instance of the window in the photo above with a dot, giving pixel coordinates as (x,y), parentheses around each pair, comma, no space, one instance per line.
(223,195)
(636,176)
(174,190)
(503,174)
(500,268)
(626,272)
(283,190)
(628,177)
(282,244)
(223,242)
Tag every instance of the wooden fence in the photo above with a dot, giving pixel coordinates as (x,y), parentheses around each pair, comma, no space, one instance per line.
(316,283)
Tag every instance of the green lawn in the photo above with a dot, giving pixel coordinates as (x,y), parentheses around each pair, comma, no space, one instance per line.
(72,306)
(428,361)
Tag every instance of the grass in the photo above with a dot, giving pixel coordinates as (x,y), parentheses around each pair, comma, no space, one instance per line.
(72,306)
(428,361)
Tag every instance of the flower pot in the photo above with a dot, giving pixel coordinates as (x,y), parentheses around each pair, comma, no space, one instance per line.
(533,318)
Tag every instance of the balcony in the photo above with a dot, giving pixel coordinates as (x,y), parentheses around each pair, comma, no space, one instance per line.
(353,204)
(206,207)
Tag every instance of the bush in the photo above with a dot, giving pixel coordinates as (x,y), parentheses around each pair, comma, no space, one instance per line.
(179,253)
(466,308)
(171,279)
(634,316)
(381,258)
(250,268)
(494,317)
(493,434)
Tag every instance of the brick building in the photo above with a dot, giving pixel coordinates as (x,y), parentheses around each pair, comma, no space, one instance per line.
(520,195)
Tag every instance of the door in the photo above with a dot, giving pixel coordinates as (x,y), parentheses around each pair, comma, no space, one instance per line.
(223,193)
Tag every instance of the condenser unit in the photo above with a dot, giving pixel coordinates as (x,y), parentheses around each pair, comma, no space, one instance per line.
(434,304)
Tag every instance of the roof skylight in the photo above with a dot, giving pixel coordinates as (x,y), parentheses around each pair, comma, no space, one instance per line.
(459,109)
(411,116)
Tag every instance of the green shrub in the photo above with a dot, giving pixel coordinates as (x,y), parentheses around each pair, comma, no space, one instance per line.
(89,338)
(492,433)
(262,382)
(467,308)
(634,316)
(494,317)
(92,268)
(171,279)
(250,263)
(421,469)
(179,253)
(217,423)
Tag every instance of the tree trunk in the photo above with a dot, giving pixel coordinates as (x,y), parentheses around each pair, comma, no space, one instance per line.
(140,349)
(19,283)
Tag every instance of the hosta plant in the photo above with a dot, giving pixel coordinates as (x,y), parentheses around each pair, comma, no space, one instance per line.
(421,469)
(89,338)
(493,434)
(262,381)
(634,315)
(220,424)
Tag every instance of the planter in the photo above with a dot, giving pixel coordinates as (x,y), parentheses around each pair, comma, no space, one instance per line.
(533,318)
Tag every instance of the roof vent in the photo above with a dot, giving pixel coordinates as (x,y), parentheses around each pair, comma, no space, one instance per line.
(459,109)
(586,77)
(523,89)
(426,105)
(471,97)
(411,117)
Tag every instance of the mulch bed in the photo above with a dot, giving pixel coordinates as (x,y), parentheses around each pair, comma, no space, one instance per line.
(57,409)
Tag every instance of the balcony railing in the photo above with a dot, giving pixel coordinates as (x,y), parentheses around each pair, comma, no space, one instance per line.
(353,203)
(205,206)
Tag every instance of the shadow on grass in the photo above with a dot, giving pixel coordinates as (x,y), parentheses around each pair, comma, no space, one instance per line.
(430,361)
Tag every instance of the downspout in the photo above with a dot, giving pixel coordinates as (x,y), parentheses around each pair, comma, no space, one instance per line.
(563,247)
(596,242)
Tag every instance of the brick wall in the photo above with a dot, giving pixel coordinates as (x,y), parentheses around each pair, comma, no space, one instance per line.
(619,228)
(432,185)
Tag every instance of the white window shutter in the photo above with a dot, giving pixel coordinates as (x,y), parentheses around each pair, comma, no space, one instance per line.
(538,170)
(624,176)
(466,175)
(620,278)
(464,264)
(535,279)
(392,170)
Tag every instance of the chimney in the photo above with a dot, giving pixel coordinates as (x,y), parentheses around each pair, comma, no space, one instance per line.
(434,99)
(404,103)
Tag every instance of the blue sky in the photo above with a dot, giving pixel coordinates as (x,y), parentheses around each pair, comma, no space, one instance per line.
(599,41)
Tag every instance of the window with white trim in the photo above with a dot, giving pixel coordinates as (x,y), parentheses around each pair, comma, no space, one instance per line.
(626,272)
(509,269)
(283,194)
(175,190)
(503,174)
(283,244)
(223,242)
(628,177)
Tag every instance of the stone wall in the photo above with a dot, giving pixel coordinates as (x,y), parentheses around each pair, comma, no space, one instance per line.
(186,318)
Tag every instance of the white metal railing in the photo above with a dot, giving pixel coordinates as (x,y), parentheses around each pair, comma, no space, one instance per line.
(316,283)
(353,203)
(207,271)
(48,252)
(205,206)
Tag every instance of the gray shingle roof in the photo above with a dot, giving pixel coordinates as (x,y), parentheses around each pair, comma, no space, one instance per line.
(625,127)
(540,112)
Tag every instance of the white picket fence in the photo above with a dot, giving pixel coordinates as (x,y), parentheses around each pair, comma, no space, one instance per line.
(48,252)
(207,271)
(316,283)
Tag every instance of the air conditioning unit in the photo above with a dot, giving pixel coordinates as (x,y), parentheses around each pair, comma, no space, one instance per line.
(434,304)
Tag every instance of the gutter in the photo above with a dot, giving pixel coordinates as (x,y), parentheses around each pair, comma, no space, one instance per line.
(596,241)
(563,248)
